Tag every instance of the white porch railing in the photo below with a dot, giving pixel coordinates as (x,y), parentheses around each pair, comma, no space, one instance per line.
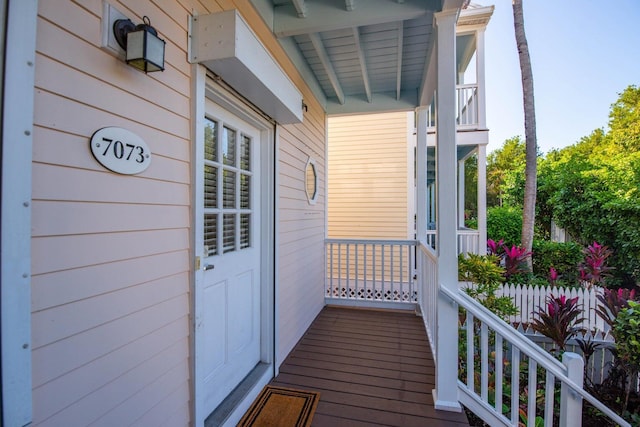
(492,342)
(497,358)
(428,286)
(467,107)
(468,240)
(371,272)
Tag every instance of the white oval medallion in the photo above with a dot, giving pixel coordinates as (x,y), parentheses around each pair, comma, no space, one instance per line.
(120,150)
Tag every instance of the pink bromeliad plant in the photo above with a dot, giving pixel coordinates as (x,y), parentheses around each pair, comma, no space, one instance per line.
(594,268)
(495,248)
(511,258)
(514,260)
(559,319)
(553,276)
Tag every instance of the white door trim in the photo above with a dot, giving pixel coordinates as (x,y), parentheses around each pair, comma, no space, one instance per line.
(15,264)
(206,87)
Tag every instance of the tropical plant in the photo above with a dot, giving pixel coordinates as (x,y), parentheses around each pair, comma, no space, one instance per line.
(626,330)
(594,268)
(558,320)
(611,302)
(515,260)
(486,276)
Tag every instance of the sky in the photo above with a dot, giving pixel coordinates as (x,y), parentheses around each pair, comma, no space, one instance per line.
(583,54)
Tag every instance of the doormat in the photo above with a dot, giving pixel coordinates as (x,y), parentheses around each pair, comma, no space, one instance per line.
(281,407)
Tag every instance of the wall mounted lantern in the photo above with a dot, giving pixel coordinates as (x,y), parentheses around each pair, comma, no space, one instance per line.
(145,50)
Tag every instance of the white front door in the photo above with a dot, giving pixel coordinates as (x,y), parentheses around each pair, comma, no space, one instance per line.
(228,293)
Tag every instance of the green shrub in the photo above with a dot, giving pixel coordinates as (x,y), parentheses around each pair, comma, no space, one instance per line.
(487,276)
(564,257)
(504,223)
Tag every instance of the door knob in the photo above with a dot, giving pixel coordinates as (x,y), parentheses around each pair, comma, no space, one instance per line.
(209,267)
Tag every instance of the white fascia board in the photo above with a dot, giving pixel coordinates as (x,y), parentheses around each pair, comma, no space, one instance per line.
(225,44)
(380,102)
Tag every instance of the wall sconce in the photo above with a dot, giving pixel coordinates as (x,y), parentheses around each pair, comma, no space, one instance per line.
(145,50)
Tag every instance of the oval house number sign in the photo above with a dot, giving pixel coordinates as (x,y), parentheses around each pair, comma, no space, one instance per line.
(120,150)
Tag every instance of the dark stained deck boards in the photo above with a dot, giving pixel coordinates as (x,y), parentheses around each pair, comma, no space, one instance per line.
(372,368)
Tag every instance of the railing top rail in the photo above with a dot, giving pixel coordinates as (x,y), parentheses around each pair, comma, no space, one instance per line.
(427,249)
(372,241)
(467,85)
(526,346)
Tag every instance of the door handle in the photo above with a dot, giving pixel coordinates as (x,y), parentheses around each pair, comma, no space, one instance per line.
(209,267)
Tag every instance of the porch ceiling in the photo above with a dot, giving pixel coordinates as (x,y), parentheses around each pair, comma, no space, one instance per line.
(359,55)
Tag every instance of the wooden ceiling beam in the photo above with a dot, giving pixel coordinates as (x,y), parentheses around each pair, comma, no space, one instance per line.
(321,51)
(363,63)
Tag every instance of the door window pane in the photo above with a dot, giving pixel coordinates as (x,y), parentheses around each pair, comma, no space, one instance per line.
(245,153)
(245,227)
(210,186)
(229,190)
(210,140)
(229,233)
(245,191)
(229,146)
(210,234)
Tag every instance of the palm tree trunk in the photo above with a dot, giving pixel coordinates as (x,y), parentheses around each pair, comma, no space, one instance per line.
(529,205)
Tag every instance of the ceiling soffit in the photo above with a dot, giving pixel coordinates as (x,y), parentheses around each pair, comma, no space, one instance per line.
(365,55)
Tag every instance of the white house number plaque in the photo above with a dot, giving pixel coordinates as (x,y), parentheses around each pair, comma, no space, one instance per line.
(120,150)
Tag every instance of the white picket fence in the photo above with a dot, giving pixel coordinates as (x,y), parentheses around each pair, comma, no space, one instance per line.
(529,299)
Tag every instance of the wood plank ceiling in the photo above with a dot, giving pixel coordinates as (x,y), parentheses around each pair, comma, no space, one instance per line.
(365,55)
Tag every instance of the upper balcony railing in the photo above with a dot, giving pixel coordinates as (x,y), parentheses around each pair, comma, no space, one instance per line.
(467,108)
(468,240)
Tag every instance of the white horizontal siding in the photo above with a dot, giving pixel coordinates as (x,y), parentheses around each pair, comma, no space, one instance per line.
(110,271)
(300,288)
(368,176)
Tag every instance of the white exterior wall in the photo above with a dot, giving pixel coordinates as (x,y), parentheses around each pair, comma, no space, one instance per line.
(111,258)
(300,281)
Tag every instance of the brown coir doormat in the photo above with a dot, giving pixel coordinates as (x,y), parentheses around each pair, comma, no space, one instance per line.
(281,407)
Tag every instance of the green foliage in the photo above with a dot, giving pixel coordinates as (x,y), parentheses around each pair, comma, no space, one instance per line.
(486,277)
(504,223)
(503,166)
(593,187)
(563,257)
(627,332)
(471,183)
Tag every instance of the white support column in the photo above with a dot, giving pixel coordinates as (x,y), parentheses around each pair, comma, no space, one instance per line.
(461,193)
(482,199)
(15,253)
(482,100)
(570,401)
(422,210)
(446,392)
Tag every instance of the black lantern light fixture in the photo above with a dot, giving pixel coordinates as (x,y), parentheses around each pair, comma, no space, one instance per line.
(144,49)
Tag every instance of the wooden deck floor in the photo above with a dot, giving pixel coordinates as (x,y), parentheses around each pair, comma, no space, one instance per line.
(372,368)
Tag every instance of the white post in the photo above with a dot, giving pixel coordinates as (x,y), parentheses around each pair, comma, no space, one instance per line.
(422,211)
(482,199)
(422,200)
(21,17)
(571,402)
(482,111)
(461,193)
(446,392)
